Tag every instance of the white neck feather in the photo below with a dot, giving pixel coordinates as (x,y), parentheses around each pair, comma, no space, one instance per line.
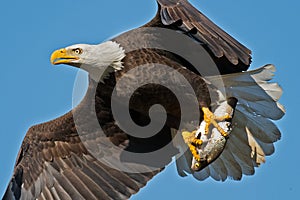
(103,59)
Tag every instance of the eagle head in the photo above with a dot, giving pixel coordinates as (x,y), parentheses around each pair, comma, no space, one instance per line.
(99,60)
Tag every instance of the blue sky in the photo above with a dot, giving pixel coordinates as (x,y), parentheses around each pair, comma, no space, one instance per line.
(34,91)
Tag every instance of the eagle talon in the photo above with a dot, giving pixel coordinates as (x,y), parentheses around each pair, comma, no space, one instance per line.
(192,142)
(211,119)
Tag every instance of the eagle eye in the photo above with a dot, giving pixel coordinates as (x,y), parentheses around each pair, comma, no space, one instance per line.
(78,51)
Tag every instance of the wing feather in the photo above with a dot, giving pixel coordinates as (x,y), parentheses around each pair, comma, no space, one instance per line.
(56,165)
(187,18)
(218,170)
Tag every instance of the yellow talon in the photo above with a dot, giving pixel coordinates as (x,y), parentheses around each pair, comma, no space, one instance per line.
(190,139)
(210,118)
(194,152)
(197,142)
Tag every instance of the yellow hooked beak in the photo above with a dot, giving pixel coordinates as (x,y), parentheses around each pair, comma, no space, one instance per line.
(62,56)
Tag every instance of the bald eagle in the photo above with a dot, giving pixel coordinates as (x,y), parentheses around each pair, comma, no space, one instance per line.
(90,154)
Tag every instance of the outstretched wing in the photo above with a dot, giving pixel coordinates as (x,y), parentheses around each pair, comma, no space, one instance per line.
(71,158)
(55,164)
(181,15)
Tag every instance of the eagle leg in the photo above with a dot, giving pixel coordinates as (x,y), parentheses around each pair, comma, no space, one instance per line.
(192,142)
(211,119)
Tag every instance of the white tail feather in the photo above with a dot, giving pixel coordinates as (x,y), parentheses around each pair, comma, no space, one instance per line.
(253,91)
(253,131)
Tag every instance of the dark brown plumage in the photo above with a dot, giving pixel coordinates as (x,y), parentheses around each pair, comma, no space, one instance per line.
(54,162)
(229,54)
